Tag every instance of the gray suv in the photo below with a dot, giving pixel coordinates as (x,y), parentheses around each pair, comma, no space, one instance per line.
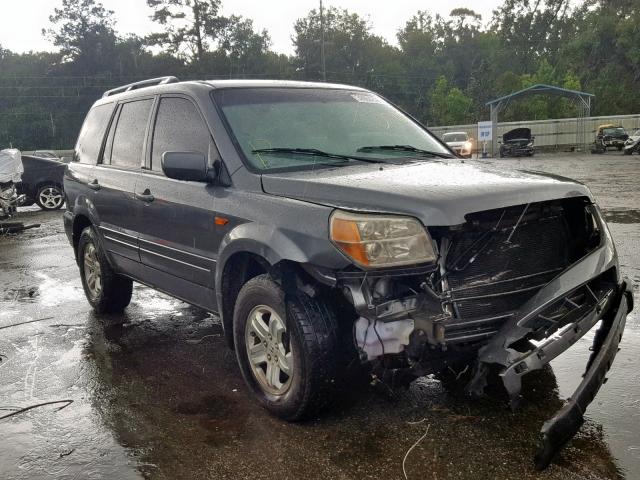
(328,229)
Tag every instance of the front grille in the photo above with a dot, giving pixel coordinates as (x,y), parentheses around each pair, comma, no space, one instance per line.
(500,259)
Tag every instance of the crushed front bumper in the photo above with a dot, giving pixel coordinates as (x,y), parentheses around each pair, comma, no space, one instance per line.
(610,306)
(567,421)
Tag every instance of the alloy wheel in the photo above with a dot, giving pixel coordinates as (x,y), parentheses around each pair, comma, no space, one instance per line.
(51,197)
(92,271)
(268,349)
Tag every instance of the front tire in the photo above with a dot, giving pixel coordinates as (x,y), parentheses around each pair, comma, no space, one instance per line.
(50,197)
(287,350)
(106,291)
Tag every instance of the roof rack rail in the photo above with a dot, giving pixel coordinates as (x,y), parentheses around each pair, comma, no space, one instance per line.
(142,84)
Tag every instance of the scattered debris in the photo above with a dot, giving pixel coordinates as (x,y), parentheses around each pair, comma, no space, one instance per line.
(31,407)
(192,341)
(15,227)
(66,454)
(418,422)
(459,374)
(412,447)
(28,321)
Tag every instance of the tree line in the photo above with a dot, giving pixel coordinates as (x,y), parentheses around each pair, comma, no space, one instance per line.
(443,70)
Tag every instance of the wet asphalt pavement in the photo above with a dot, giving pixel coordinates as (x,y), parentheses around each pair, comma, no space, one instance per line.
(161,396)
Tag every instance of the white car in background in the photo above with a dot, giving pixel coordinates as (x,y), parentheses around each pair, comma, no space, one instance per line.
(459,142)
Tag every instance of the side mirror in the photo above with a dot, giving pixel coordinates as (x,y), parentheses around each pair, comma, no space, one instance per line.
(191,166)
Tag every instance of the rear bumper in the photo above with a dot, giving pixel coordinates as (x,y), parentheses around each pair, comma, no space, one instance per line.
(568,420)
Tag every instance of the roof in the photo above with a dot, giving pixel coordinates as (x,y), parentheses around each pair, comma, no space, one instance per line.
(455,133)
(167,84)
(278,83)
(542,88)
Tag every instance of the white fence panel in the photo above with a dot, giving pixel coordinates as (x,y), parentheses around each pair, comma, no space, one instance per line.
(555,133)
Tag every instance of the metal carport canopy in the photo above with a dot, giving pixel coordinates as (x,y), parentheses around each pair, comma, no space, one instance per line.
(584,104)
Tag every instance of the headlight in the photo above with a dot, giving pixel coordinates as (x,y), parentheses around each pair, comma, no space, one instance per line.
(467,146)
(381,240)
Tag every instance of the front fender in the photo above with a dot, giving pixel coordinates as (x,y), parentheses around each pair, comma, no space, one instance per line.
(275,244)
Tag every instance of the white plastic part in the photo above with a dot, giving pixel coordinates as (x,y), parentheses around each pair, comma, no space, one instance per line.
(375,337)
(10,165)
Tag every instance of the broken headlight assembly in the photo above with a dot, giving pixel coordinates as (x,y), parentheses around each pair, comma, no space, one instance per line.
(375,241)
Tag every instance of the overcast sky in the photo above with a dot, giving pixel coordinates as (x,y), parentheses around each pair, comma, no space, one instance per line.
(23,20)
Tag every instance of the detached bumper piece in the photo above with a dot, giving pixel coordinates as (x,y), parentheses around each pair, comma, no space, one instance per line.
(15,227)
(558,430)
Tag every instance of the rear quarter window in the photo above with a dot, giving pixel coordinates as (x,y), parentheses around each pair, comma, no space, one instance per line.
(92,133)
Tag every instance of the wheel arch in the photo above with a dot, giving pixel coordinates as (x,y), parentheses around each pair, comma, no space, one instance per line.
(47,182)
(80,222)
(243,258)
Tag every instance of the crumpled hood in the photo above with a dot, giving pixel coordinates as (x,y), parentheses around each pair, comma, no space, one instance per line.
(438,193)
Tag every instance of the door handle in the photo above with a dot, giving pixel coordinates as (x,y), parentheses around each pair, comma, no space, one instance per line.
(94,185)
(145,196)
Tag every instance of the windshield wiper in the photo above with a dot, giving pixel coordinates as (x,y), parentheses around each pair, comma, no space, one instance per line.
(314,152)
(403,148)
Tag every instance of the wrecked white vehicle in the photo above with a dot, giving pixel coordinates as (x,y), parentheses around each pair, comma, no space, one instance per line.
(11,170)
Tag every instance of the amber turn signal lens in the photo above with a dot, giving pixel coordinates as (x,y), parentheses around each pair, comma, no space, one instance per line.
(346,234)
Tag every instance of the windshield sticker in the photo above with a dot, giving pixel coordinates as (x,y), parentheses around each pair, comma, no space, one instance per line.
(366,98)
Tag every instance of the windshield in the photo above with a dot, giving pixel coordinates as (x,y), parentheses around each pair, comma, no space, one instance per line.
(614,131)
(454,137)
(267,121)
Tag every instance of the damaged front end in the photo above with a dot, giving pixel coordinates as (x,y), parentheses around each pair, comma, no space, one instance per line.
(514,287)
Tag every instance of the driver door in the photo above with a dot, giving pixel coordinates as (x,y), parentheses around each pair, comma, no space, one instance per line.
(177,237)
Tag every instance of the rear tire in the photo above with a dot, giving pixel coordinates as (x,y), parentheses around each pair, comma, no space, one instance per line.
(50,197)
(106,291)
(308,348)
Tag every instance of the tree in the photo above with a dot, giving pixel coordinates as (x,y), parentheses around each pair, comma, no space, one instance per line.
(349,44)
(530,30)
(84,31)
(466,19)
(449,105)
(189,26)
(244,48)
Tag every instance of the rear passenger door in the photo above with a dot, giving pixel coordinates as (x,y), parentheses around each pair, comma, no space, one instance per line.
(177,217)
(116,176)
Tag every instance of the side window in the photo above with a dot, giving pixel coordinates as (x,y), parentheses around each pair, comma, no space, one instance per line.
(179,128)
(128,138)
(92,133)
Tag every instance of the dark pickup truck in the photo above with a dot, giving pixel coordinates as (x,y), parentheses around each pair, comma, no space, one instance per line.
(326,227)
